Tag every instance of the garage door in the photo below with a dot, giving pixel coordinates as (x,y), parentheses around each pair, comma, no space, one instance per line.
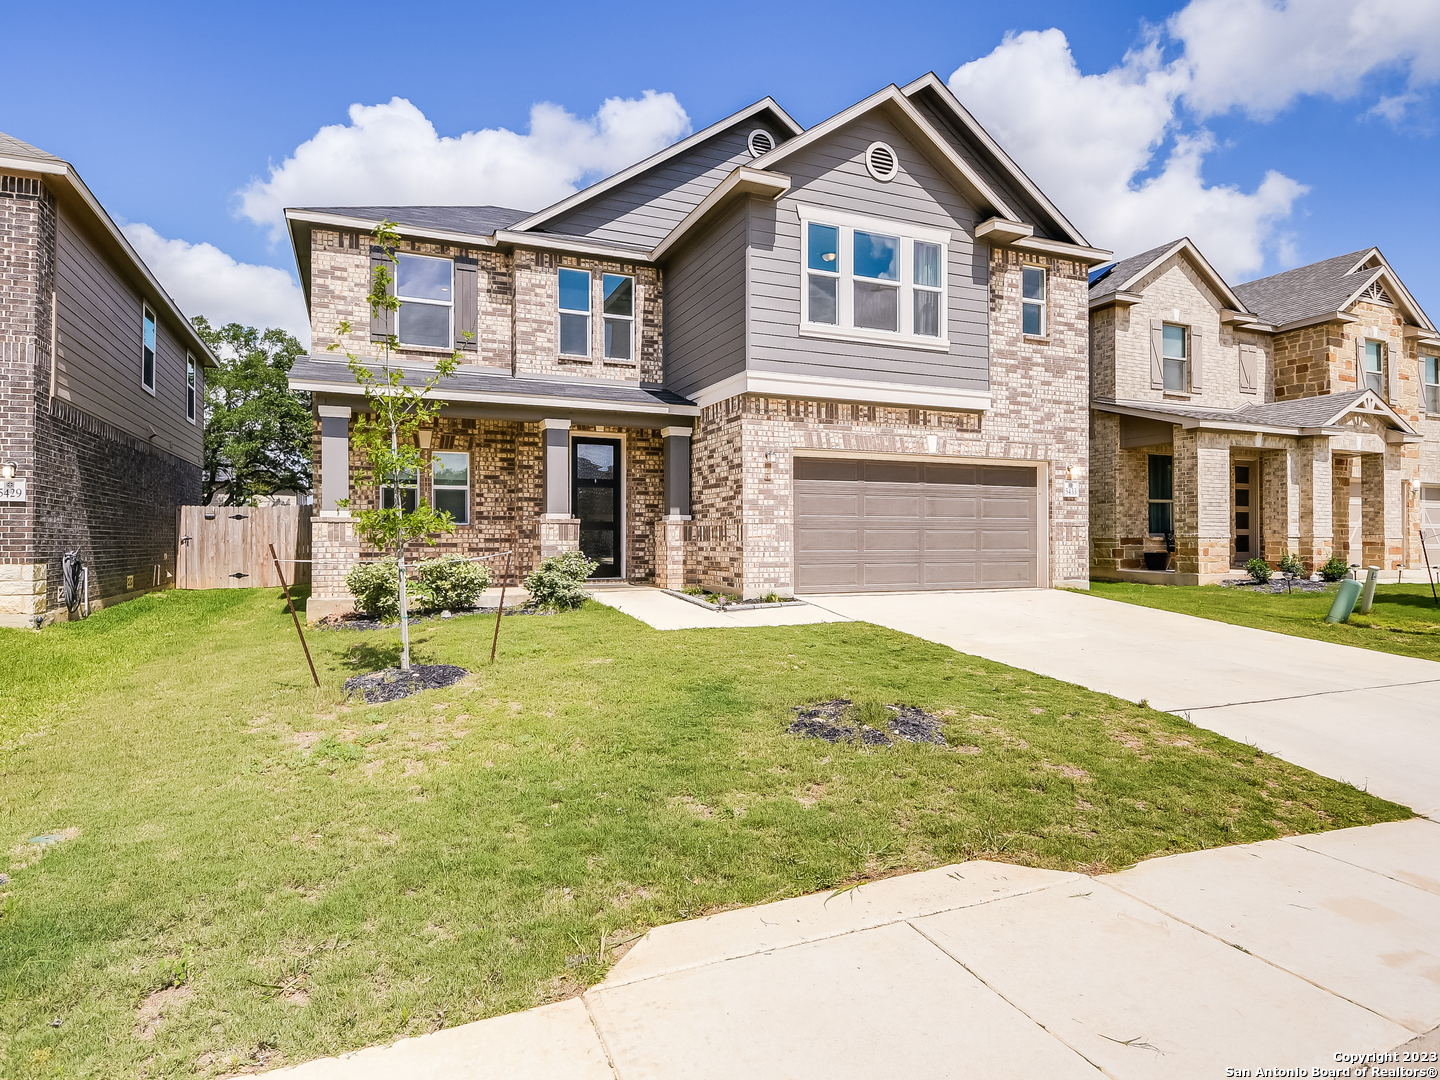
(867,526)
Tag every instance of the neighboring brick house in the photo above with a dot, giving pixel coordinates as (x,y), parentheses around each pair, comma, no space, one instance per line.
(765,359)
(1230,419)
(101,394)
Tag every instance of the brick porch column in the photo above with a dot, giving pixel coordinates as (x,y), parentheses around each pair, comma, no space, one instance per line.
(1280,503)
(1105,487)
(1313,476)
(670,529)
(559,528)
(1381,491)
(334,546)
(1202,502)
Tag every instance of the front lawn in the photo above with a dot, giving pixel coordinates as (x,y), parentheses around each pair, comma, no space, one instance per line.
(248,872)
(1403,620)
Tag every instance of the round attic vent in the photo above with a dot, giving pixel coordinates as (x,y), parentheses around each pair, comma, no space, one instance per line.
(761,142)
(881,161)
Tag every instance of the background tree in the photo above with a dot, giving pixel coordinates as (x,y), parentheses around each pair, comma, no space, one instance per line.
(258,432)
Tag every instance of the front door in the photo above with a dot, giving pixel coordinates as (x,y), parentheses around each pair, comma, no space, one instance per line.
(1244,511)
(595,465)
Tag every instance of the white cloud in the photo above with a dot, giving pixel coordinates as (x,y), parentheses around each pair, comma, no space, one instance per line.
(1086,138)
(205,281)
(390,154)
(1260,55)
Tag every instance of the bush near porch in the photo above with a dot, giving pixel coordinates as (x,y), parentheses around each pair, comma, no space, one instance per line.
(1404,619)
(255,873)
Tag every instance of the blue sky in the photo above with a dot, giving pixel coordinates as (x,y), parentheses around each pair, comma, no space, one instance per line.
(1143,121)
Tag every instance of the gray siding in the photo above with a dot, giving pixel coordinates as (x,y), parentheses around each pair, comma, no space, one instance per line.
(831,173)
(644,210)
(705,305)
(98,344)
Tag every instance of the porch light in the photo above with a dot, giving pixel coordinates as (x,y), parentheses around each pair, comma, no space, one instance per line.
(423,436)
(1074,472)
(7,471)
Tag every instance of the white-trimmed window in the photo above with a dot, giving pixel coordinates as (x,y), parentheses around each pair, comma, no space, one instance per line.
(1034,322)
(574,312)
(409,492)
(147,348)
(1375,367)
(425,286)
(1430,388)
(872,280)
(189,388)
(450,484)
(618,304)
(1175,357)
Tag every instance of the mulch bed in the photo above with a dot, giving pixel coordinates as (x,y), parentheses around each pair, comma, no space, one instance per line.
(1277,585)
(835,722)
(393,684)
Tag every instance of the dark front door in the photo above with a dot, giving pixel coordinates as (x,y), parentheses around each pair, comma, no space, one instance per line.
(596,468)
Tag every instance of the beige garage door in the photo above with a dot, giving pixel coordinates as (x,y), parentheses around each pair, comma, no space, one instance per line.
(870,526)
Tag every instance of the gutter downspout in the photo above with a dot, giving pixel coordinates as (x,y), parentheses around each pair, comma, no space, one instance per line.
(54,299)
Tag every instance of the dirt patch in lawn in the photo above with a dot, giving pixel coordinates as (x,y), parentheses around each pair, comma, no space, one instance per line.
(157,1006)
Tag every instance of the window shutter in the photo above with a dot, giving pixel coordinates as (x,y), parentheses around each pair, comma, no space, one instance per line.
(1247,368)
(1360,363)
(382,322)
(1157,350)
(467,304)
(1392,373)
(1197,362)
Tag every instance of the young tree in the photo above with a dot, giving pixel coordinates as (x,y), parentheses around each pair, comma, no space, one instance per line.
(386,436)
(257,430)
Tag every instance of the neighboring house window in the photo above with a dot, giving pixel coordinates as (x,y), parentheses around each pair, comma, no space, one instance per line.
(1375,366)
(575,312)
(147,350)
(1162,486)
(872,280)
(426,289)
(450,482)
(1175,357)
(1033,304)
(409,493)
(190,388)
(618,304)
(1430,366)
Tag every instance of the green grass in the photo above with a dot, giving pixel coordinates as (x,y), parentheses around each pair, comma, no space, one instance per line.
(258,873)
(1404,619)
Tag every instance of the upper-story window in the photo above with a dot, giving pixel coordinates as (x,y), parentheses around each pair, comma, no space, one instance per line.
(1374,361)
(1032,306)
(425,287)
(575,312)
(1430,370)
(1175,357)
(872,280)
(147,349)
(618,291)
(190,388)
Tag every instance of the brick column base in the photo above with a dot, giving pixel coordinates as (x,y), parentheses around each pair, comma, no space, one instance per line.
(334,551)
(670,552)
(559,533)
(22,594)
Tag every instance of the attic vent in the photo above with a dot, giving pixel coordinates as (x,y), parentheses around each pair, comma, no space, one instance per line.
(1377,293)
(761,142)
(882,162)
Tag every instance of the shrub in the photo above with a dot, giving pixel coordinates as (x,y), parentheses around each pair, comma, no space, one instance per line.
(559,581)
(1291,564)
(1335,569)
(451,581)
(1258,569)
(375,590)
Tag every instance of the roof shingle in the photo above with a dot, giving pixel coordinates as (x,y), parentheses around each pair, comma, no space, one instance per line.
(476,220)
(13,147)
(1306,291)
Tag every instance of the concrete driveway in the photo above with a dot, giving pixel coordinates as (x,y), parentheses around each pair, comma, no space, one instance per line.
(1365,717)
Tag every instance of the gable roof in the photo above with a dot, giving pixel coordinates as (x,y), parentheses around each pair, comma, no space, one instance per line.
(594,191)
(1124,274)
(1287,417)
(1327,287)
(13,147)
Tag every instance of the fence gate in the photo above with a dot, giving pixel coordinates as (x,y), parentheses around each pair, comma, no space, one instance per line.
(227,547)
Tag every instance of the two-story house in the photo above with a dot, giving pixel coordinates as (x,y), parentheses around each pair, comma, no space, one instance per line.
(768,358)
(101,399)
(1298,413)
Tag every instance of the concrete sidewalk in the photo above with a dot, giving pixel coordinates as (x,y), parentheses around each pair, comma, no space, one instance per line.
(1281,954)
(1366,717)
(659,609)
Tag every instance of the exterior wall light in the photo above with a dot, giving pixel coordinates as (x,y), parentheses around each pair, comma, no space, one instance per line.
(423,436)
(1075,472)
(8,470)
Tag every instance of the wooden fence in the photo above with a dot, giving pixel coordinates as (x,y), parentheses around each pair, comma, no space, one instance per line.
(227,547)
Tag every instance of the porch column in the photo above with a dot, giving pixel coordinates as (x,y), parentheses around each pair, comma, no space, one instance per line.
(1280,503)
(1202,503)
(1342,487)
(334,456)
(1381,491)
(559,529)
(1313,473)
(670,529)
(1105,555)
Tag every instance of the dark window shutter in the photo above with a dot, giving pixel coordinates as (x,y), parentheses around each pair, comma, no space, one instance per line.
(1197,362)
(1248,363)
(382,322)
(1392,372)
(467,304)
(1157,350)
